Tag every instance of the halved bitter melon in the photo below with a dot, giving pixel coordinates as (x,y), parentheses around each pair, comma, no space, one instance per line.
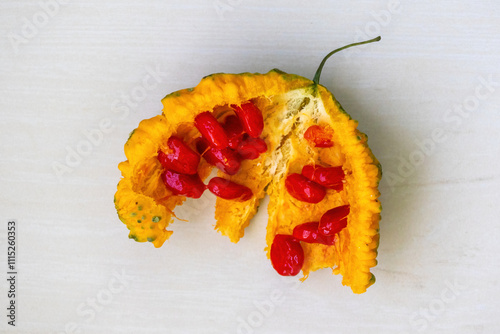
(290,105)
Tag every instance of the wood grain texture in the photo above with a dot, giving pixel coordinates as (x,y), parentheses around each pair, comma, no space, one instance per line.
(427,95)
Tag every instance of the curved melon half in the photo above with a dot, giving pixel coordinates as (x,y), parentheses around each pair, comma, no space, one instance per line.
(290,104)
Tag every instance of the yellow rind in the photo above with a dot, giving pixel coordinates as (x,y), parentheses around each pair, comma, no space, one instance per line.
(357,253)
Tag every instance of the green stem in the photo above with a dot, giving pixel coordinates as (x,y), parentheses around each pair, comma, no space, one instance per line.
(320,68)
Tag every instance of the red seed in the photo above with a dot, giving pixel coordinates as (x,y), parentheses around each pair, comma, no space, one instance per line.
(319,136)
(229,190)
(250,148)
(329,177)
(234,131)
(334,220)
(211,130)
(227,160)
(182,184)
(182,159)
(308,232)
(303,189)
(287,255)
(250,117)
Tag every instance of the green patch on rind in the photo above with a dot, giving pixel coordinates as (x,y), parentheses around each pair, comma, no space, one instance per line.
(130,134)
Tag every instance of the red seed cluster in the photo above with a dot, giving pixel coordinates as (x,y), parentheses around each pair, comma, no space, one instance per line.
(328,177)
(311,186)
(221,145)
(225,146)
(310,233)
(285,252)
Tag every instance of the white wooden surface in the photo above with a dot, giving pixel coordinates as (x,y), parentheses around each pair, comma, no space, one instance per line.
(65,74)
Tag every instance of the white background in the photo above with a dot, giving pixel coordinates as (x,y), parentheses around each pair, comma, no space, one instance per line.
(63,74)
